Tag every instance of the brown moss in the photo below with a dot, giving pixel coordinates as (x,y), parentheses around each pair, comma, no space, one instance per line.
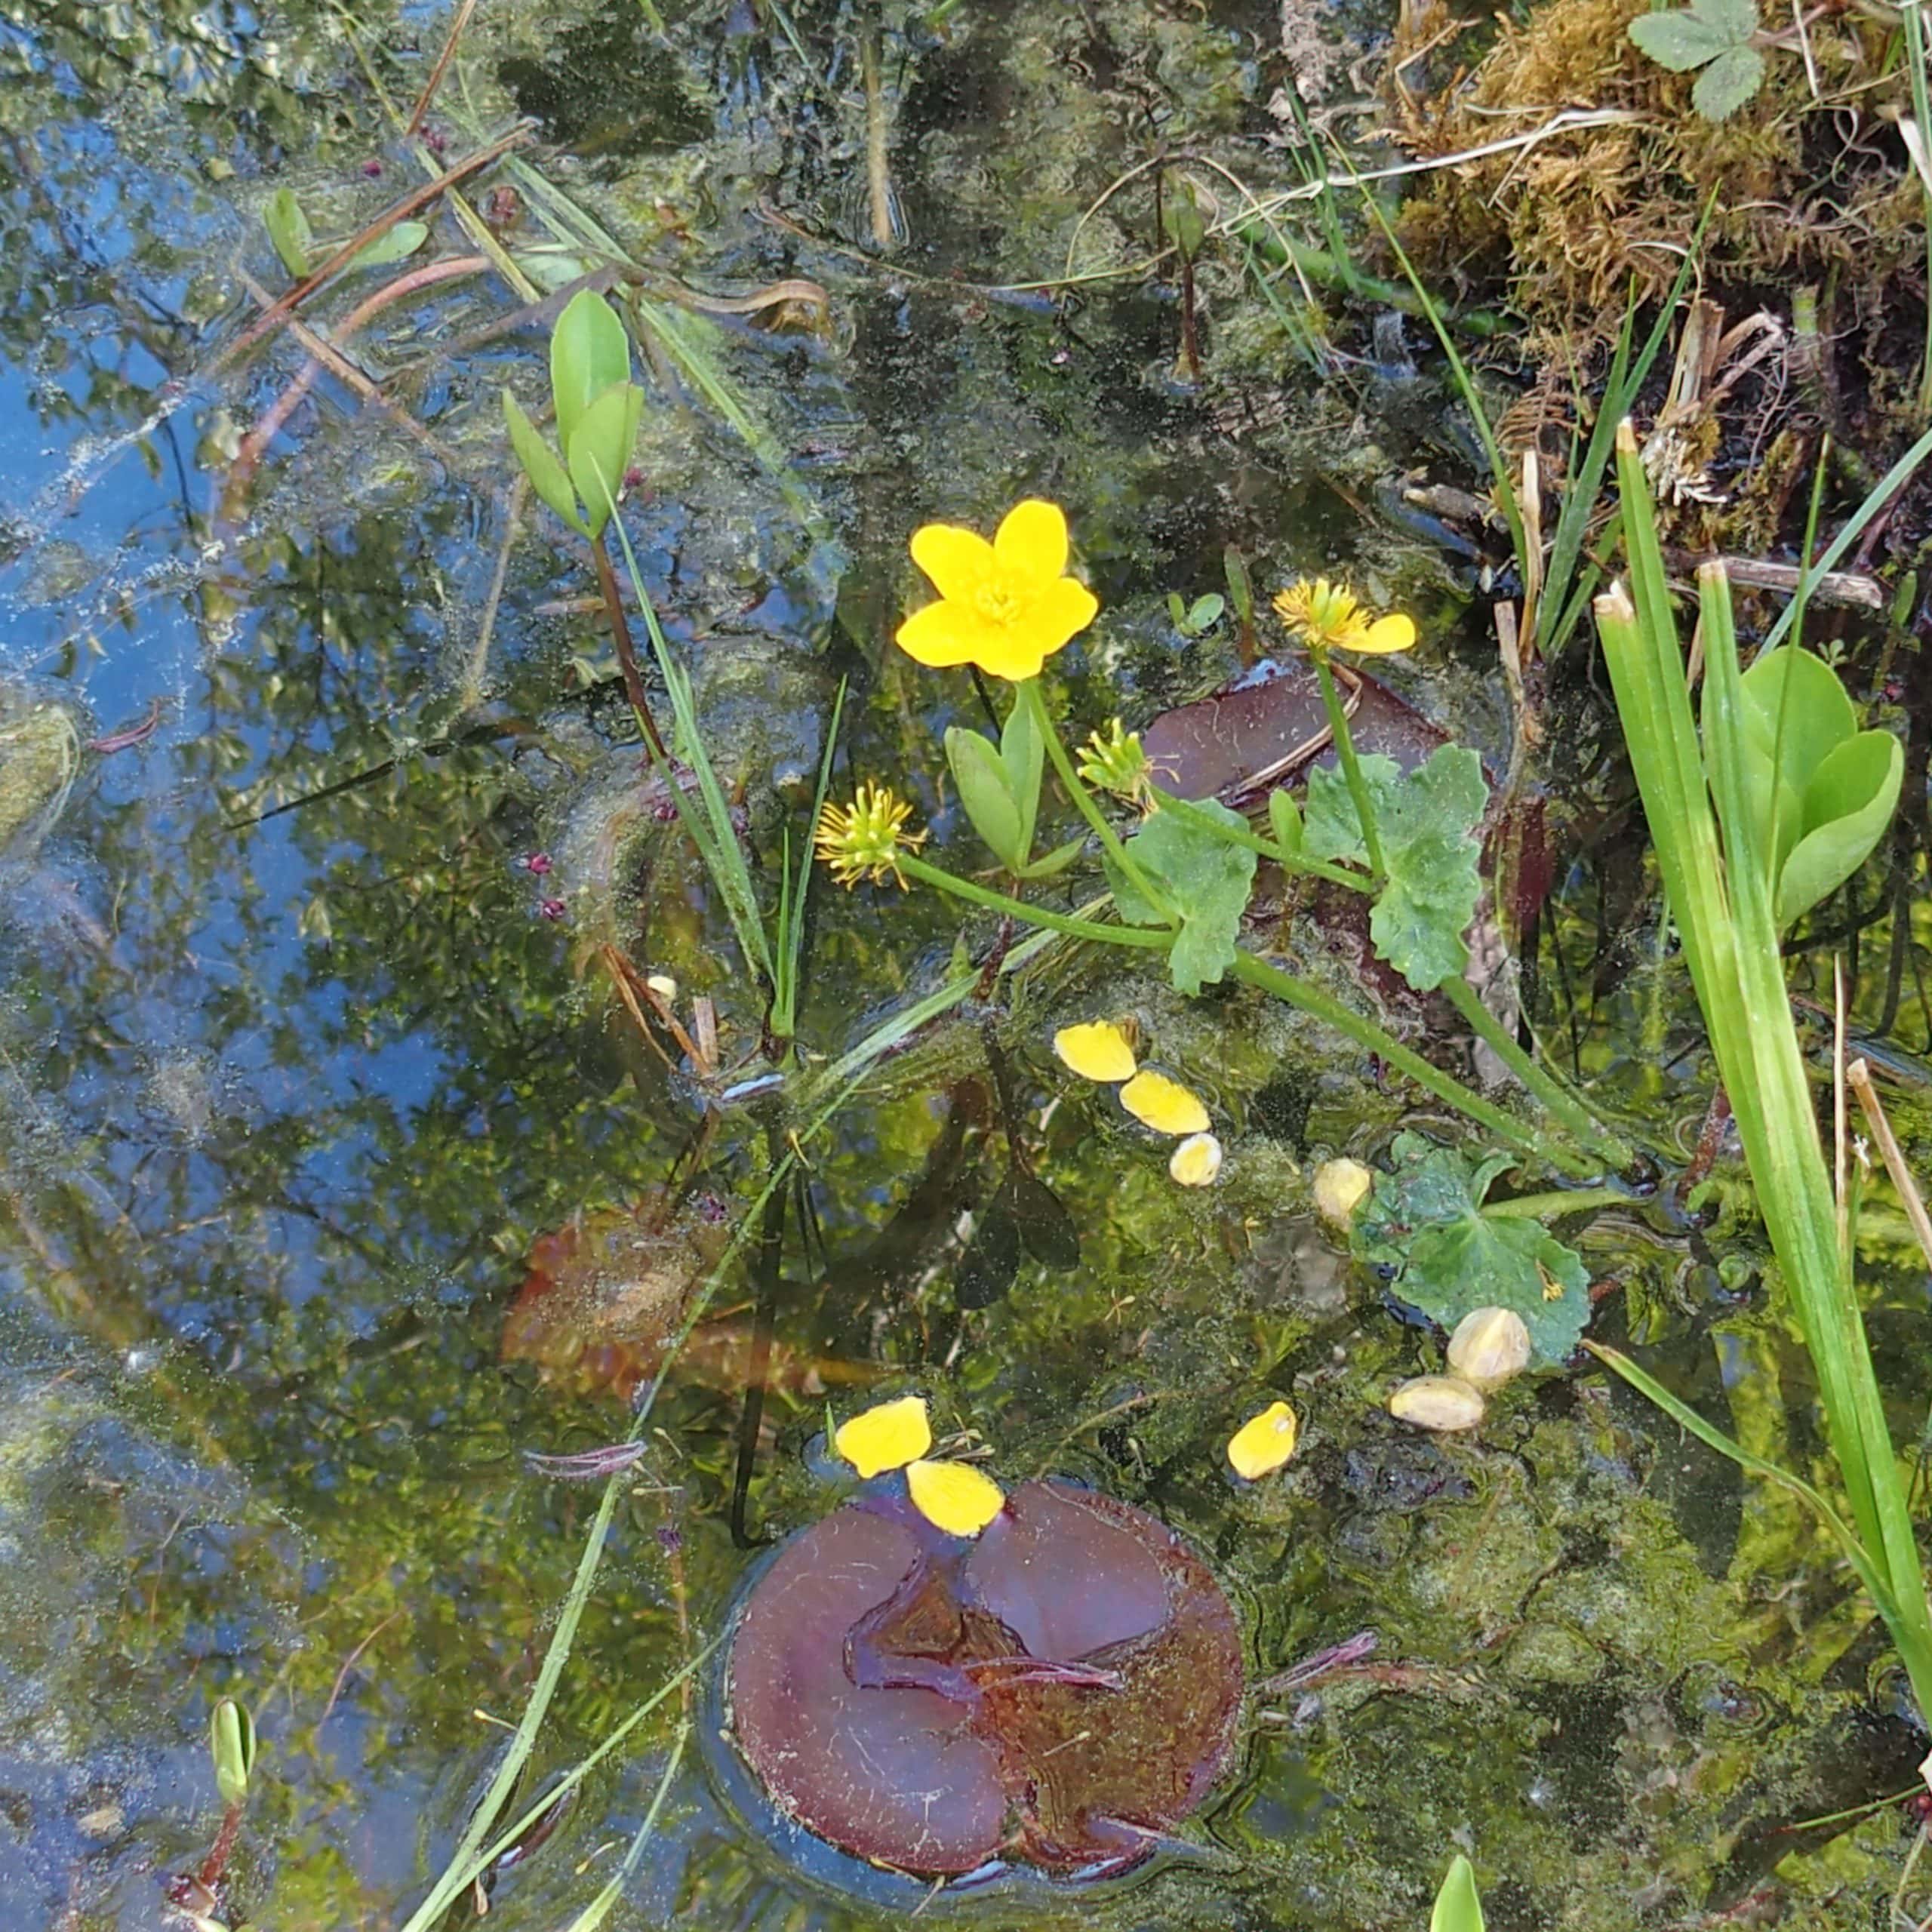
(1583,215)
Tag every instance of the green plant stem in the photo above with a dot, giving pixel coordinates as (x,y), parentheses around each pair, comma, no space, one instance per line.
(1563,1104)
(1555,1201)
(620,637)
(1029,693)
(1345,750)
(1147,939)
(1320,1005)
(1192,814)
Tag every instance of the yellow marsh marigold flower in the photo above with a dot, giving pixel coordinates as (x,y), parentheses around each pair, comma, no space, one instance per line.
(954,1497)
(1263,1443)
(1005,606)
(1326,617)
(865,839)
(886,1436)
(1112,761)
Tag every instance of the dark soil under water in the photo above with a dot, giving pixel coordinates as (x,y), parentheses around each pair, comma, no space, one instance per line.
(336,1175)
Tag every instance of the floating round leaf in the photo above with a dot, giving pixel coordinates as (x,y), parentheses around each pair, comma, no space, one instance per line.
(1164,1105)
(886,1436)
(1097,1049)
(1059,1691)
(1264,1442)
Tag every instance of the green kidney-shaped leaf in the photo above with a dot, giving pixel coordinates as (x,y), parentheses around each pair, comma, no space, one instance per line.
(548,477)
(589,353)
(1728,82)
(404,238)
(598,450)
(288,229)
(1207,879)
(1427,819)
(1424,1221)
(1457,1907)
(1022,752)
(1847,806)
(980,774)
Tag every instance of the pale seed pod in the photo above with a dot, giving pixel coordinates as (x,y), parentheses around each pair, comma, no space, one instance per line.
(1444,1403)
(1490,1346)
(1340,1188)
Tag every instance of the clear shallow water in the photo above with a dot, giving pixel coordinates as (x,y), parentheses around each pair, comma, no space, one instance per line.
(296,1070)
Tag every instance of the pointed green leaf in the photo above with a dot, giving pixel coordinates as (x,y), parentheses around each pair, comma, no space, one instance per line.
(548,477)
(404,238)
(589,352)
(1457,1907)
(1207,879)
(1847,806)
(598,450)
(1728,82)
(1022,752)
(1054,863)
(1207,611)
(1284,821)
(288,229)
(231,1745)
(980,775)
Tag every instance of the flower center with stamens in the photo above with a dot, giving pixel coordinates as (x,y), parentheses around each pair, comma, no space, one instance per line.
(997,601)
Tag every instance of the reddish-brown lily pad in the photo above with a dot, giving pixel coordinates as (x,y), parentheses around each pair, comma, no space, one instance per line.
(1058,1693)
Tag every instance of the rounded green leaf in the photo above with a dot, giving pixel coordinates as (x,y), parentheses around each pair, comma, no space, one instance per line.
(403,238)
(548,477)
(980,774)
(598,450)
(1818,716)
(1847,806)
(231,1745)
(288,229)
(1728,82)
(589,352)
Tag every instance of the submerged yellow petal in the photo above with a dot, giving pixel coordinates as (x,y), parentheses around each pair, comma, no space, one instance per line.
(1097,1051)
(957,560)
(954,1496)
(1264,1442)
(1395,632)
(942,633)
(1164,1105)
(1196,1162)
(886,1437)
(1031,540)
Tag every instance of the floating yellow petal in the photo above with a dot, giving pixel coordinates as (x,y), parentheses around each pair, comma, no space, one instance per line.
(886,1437)
(1264,1442)
(1006,606)
(1097,1049)
(1164,1105)
(1196,1162)
(954,1496)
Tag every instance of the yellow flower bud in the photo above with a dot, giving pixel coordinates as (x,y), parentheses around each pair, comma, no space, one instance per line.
(1490,1346)
(1340,1188)
(1440,1402)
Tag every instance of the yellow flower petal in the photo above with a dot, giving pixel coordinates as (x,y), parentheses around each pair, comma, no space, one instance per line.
(1395,632)
(1164,1105)
(1031,541)
(1196,1162)
(957,560)
(1264,1442)
(954,1497)
(885,1437)
(1097,1051)
(1065,609)
(943,634)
